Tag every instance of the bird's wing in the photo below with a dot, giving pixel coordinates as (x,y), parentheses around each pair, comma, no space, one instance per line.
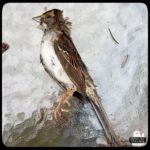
(76,70)
(71,61)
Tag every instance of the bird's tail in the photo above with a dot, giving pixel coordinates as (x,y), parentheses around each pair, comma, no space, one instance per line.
(96,103)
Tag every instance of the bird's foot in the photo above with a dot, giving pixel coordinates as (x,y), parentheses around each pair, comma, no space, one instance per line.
(64,107)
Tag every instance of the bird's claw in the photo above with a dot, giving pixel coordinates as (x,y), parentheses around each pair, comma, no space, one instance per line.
(57,113)
(64,107)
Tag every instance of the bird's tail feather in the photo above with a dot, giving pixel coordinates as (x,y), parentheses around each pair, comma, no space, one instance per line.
(101,114)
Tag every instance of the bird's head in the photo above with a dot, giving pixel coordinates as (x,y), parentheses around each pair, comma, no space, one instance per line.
(52,19)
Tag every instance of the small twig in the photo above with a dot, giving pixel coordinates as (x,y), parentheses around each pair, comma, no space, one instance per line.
(124,60)
(41,117)
(113,36)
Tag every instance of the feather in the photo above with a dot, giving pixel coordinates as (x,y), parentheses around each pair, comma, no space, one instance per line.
(71,61)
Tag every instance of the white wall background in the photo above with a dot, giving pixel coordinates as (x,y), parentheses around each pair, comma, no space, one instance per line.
(27,87)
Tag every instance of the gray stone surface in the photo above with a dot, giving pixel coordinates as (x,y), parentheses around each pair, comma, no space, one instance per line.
(27,87)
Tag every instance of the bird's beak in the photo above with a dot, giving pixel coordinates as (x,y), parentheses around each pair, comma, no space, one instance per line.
(37,19)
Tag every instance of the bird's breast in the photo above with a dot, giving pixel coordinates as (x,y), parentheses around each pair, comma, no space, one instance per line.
(51,61)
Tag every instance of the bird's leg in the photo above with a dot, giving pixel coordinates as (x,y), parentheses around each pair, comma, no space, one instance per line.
(64,99)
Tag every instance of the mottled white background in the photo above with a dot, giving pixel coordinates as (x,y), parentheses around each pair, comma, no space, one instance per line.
(27,87)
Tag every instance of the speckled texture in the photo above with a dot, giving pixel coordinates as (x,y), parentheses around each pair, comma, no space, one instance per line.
(27,87)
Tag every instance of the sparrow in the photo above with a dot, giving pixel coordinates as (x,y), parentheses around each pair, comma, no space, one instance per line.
(63,63)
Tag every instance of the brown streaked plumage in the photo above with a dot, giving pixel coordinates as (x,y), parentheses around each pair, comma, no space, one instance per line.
(62,61)
(71,61)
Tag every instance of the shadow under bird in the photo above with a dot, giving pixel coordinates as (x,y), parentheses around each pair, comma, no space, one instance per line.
(63,63)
